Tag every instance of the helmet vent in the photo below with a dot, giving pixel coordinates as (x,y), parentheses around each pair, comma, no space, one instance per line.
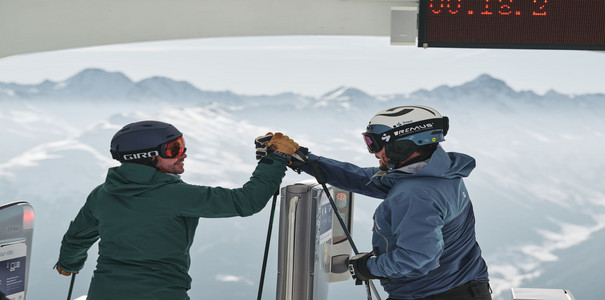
(396,114)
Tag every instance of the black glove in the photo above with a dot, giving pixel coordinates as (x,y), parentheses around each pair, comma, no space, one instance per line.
(261,145)
(299,159)
(359,270)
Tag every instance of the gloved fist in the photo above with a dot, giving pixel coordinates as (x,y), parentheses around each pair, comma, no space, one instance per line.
(63,272)
(299,159)
(359,270)
(261,145)
(281,145)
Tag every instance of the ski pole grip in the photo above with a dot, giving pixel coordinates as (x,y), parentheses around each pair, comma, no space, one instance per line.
(317,172)
(302,155)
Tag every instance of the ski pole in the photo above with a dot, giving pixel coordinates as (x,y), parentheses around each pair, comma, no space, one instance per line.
(71,285)
(264,268)
(319,176)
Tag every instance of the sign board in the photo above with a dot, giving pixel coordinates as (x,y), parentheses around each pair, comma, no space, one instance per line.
(16,233)
(527,24)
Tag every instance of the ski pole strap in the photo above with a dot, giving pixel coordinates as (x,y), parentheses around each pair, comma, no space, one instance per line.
(317,172)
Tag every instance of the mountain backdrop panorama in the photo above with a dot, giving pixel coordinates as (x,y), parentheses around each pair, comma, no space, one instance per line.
(537,189)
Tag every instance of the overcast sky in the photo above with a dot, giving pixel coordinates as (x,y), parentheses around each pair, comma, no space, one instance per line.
(315,65)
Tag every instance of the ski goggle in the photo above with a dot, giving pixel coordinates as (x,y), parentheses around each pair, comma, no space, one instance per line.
(422,132)
(173,149)
(373,142)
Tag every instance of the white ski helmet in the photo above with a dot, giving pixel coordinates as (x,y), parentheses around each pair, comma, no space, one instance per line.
(403,129)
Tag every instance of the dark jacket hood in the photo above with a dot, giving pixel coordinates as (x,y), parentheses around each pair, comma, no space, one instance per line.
(448,165)
(441,164)
(132,179)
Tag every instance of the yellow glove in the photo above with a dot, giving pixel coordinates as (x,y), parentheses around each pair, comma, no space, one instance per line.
(282,146)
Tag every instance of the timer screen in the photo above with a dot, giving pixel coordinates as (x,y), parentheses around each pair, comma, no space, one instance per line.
(523,24)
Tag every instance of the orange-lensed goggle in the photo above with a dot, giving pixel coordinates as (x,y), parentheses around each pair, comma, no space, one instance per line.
(173,149)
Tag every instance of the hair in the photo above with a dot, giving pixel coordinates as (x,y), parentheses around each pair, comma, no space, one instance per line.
(151,162)
(425,151)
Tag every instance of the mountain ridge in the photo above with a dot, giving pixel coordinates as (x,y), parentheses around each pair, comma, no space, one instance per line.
(101,85)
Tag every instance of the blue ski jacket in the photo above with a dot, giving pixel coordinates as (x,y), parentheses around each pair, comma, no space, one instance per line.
(424,229)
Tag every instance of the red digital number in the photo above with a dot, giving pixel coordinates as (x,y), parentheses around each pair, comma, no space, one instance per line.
(486,10)
(488,7)
(451,6)
(505,7)
(539,7)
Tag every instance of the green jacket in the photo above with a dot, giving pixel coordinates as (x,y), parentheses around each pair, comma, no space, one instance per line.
(146,223)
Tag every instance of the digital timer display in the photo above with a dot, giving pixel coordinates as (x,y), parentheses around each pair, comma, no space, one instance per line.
(537,24)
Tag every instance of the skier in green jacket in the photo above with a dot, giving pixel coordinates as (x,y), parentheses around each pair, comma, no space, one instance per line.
(145,216)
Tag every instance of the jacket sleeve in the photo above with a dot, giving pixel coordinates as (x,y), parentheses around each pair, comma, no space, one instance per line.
(416,223)
(348,176)
(81,234)
(218,202)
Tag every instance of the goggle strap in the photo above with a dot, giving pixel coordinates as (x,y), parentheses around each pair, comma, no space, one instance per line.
(377,141)
(437,123)
(135,155)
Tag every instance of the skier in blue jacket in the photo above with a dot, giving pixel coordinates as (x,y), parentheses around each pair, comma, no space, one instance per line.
(424,244)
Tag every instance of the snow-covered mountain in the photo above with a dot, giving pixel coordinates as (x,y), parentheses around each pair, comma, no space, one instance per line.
(537,191)
(96,84)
